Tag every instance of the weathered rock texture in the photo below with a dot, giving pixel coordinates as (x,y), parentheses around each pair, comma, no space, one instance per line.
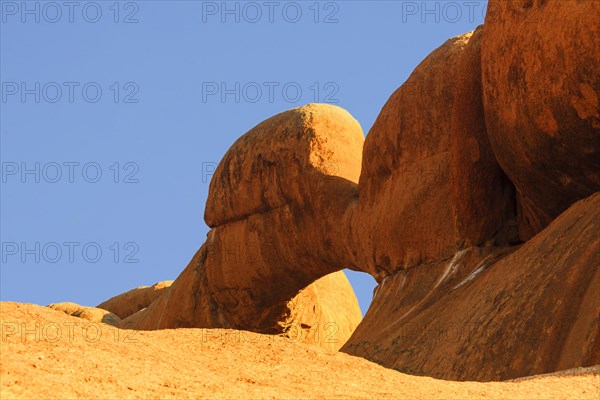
(533,311)
(91,314)
(130,302)
(541,85)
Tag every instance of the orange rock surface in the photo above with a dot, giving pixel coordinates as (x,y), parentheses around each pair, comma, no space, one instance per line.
(218,363)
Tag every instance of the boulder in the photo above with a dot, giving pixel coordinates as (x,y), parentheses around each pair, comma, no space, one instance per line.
(325,313)
(541,86)
(91,314)
(430,184)
(132,301)
(399,222)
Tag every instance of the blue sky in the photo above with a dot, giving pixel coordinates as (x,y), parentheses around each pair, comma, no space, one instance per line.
(112,115)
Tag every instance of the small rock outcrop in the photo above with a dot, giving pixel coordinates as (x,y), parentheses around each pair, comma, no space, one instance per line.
(130,302)
(91,314)
(325,313)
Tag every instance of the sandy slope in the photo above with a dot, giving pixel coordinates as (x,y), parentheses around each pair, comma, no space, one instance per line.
(184,363)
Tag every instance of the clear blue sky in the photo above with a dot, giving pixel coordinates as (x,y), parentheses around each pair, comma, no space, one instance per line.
(157,126)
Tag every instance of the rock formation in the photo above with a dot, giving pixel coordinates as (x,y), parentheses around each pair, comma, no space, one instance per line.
(274,207)
(458,205)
